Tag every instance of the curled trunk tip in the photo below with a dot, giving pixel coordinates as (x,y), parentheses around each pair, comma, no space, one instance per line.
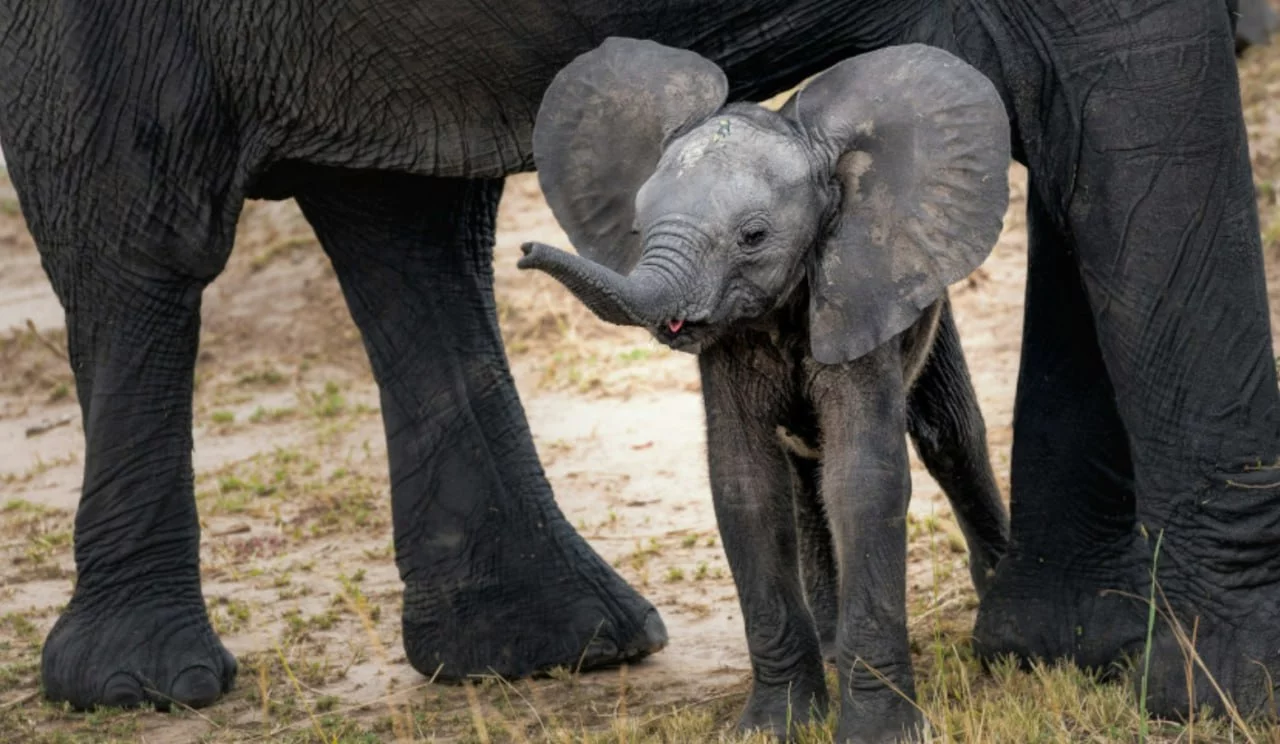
(635,300)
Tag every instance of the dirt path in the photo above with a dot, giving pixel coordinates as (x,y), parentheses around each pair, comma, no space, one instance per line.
(293,491)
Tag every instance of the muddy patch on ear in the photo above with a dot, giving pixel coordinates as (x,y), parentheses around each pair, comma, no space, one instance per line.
(854,165)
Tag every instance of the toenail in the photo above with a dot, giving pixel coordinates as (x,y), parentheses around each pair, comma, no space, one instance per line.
(196,686)
(122,690)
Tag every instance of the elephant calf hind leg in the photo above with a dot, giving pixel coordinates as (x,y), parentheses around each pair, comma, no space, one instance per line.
(135,629)
(496,580)
(946,425)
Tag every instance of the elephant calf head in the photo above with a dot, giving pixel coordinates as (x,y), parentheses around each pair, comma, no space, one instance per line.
(880,183)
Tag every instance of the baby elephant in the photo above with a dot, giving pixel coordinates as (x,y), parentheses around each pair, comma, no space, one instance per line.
(804,255)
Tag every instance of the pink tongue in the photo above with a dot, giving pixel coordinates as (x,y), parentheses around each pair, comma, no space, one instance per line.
(675,325)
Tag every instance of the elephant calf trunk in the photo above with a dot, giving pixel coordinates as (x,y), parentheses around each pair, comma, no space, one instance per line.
(617,299)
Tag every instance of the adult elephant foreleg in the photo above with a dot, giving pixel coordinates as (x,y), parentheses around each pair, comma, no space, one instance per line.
(496,580)
(1171,258)
(1161,208)
(1066,587)
(136,629)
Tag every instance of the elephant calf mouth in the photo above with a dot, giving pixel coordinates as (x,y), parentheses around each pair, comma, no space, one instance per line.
(683,335)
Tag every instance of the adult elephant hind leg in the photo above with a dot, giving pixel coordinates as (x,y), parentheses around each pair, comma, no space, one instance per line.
(136,629)
(947,428)
(1168,238)
(1064,588)
(496,580)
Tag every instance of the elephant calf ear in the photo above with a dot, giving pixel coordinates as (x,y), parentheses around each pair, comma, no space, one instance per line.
(600,132)
(920,142)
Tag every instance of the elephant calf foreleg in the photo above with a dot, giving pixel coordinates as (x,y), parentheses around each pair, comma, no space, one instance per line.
(866,485)
(751,490)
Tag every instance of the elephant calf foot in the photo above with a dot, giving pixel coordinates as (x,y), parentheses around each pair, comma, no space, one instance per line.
(123,651)
(885,718)
(532,620)
(780,709)
(1086,610)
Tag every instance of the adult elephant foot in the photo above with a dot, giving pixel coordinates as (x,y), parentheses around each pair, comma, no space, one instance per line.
(1086,609)
(136,630)
(1217,635)
(568,610)
(1241,655)
(1215,641)
(125,649)
(1218,589)
(892,719)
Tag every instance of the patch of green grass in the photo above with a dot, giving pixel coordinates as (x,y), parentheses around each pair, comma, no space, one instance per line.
(642,553)
(41,467)
(241,494)
(327,703)
(23,506)
(223,417)
(298,626)
(381,554)
(20,626)
(229,615)
(635,355)
(41,547)
(266,377)
(279,249)
(233,484)
(272,415)
(329,403)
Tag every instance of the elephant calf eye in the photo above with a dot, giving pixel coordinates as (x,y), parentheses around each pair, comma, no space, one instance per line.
(754,236)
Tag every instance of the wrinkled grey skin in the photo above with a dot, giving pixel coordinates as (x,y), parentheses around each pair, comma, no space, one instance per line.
(135,129)
(758,238)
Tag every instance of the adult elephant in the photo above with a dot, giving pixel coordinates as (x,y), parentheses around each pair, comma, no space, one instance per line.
(1256,20)
(1147,396)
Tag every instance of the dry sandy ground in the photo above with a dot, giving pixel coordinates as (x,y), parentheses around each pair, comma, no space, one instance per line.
(284,391)
(292,486)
